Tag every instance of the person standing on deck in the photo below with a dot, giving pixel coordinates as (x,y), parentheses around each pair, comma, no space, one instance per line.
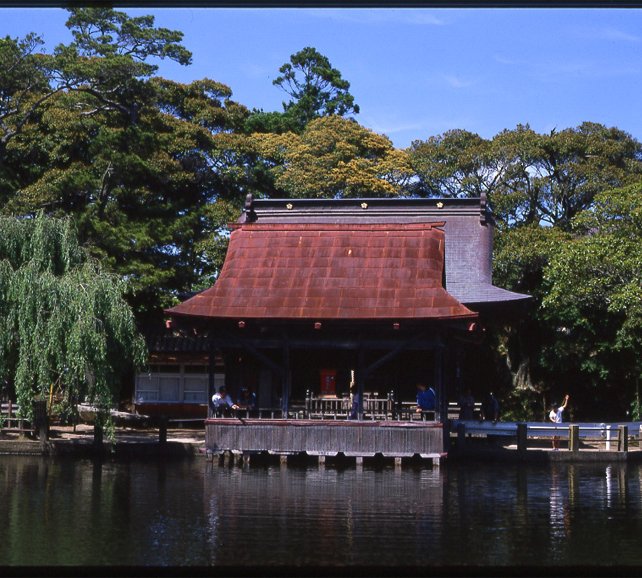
(467,406)
(426,398)
(555,416)
(490,409)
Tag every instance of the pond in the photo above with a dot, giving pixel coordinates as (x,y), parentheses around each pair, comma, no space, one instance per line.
(191,513)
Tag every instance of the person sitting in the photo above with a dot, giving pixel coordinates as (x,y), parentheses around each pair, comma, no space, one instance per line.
(467,406)
(222,403)
(426,398)
(247,399)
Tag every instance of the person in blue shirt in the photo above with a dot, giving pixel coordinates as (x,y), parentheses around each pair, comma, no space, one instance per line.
(426,398)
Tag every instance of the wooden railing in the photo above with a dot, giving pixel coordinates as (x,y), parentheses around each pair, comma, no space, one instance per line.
(378,408)
(607,436)
(10,419)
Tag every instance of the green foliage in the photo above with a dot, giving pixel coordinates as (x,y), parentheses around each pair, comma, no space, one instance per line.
(602,313)
(62,319)
(316,89)
(335,157)
(135,158)
(529,178)
(456,164)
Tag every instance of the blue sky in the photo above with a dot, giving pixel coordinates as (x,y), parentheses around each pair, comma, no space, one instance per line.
(416,73)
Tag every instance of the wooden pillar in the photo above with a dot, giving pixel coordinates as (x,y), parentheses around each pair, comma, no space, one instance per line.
(522,437)
(231,359)
(359,377)
(574,437)
(461,436)
(162,430)
(98,433)
(438,377)
(211,369)
(622,438)
(286,379)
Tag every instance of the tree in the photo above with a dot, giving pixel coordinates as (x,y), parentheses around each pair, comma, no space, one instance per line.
(335,157)
(538,185)
(529,178)
(594,294)
(315,88)
(107,62)
(24,83)
(133,157)
(63,320)
(456,164)
(552,178)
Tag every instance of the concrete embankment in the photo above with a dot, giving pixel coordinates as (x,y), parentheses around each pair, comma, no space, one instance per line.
(539,451)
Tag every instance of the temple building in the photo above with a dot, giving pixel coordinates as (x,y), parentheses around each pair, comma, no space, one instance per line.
(318,295)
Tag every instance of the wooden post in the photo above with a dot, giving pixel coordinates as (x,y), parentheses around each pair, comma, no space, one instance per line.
(211,377)
(441,414)
(98,432)
(574,437)
(622,438)
(359,376)
(522,437)
(162,430)
(40,420)
(461,436)
(286,381)
(446,433)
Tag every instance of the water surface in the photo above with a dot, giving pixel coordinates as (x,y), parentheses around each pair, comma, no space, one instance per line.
(190,513)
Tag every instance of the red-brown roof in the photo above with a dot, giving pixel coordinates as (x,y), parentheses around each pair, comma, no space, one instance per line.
(330,271)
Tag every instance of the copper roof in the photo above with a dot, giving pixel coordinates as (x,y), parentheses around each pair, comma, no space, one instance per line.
(330,271)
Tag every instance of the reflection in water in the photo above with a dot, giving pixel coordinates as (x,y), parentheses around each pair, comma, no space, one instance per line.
(192,513)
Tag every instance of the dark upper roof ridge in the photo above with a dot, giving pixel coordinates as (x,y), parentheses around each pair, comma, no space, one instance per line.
(367,209)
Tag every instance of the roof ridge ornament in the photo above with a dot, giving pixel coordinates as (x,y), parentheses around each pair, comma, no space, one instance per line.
(249,214)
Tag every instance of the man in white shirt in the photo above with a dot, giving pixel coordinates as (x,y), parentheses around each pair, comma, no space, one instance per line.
(555,416)
(222,402)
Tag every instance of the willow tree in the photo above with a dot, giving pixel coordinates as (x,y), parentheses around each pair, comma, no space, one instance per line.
(63,320)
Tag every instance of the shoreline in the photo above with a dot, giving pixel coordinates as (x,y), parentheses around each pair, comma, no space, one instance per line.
(188,443)
(66,441)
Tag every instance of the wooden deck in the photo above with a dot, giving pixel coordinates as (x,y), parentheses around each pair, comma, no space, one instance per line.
(359,439)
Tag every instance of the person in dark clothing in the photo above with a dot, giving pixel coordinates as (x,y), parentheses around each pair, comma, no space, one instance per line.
(426,398)
(467,406)
(490,409)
